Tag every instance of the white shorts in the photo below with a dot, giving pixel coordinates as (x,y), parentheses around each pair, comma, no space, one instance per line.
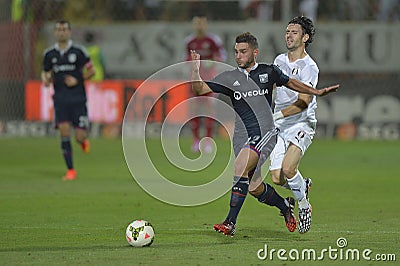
(300,135)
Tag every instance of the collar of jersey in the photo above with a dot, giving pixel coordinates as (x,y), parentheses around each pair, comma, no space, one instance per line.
(243,70)
(66,49)
(287,58)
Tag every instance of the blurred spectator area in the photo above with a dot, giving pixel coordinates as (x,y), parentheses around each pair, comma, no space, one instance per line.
(351,48)
(182,10)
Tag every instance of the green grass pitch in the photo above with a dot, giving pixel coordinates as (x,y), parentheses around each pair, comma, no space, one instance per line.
(46,221)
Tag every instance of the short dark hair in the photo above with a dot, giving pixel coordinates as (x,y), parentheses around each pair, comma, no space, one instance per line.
(64,22)
(247,37)
(306,25)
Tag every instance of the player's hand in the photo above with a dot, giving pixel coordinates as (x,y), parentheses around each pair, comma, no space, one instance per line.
(47,83)
(70,81)
(327,90)
(195,60)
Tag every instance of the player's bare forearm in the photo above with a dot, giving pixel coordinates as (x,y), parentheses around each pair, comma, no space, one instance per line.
(198,85)
(298,106)
(89,74)
(46,77)
(298,86)
(90,70)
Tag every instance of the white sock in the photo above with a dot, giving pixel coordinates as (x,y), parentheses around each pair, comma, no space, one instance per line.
(304,204)
(298,186)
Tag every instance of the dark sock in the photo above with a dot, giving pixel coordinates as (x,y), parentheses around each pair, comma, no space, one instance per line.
(67,152)
(272,198)
(238,195)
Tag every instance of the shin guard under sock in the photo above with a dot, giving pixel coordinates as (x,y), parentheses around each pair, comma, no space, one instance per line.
(272,198)
(67,152)
(238,195)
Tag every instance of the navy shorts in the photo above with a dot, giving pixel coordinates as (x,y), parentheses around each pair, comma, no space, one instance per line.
(75,113)
(261,144)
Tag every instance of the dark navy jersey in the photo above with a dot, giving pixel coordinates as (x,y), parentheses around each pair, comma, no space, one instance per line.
(251,95)
(68,62)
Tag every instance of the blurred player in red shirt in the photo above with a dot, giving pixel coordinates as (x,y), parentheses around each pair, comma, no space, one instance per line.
(210,47)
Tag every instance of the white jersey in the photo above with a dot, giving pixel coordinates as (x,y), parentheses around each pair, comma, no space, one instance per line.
(306,71)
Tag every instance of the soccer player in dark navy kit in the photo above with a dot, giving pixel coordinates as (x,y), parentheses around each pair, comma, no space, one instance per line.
(250,89)
(64,64)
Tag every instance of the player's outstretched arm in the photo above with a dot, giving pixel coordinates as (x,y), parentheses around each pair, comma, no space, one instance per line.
(298,86)
(298,106)
(327,90)
(198,85)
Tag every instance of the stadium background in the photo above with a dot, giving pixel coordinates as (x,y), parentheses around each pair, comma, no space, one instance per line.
(137,38)
(44,221)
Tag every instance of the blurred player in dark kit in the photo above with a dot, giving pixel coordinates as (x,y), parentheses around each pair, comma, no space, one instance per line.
(64,65)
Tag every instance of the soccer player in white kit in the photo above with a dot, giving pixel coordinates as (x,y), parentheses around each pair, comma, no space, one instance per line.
(294,115)
(248,86)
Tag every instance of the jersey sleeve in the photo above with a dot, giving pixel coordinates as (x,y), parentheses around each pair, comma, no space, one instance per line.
(309,75)
(280,77)
(217,85)
(276,61)
(84,59)
(85,55)
(47,65)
